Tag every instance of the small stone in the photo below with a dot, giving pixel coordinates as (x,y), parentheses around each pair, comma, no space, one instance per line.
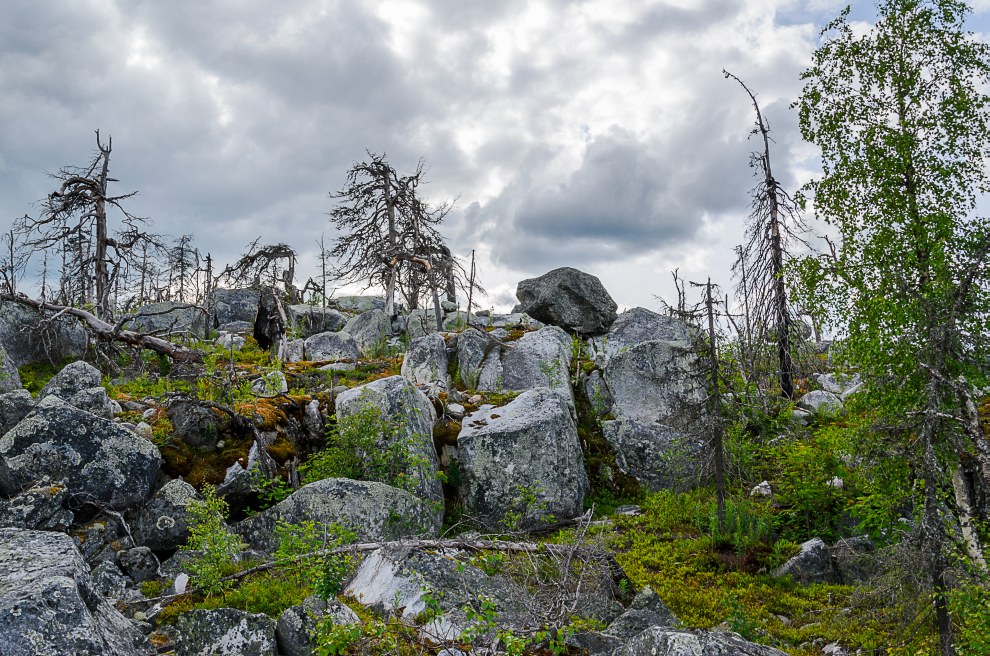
(762,490)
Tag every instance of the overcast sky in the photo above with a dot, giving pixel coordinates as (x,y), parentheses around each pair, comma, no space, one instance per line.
(599,135)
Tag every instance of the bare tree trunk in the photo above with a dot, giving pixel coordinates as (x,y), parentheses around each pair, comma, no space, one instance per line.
(470,289)
(102,276)
(715,410)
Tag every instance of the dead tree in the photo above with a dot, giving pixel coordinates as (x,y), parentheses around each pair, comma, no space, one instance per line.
(76,215)
(772,229)
(271,266)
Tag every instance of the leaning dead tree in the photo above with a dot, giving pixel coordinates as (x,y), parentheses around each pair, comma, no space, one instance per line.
(270,266)
(770,233)
(75,221)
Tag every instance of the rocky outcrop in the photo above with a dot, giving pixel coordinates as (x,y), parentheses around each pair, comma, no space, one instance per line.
(373,510)
(659,641)
(636,326)
(814,564)
(41,508)
(309,320)
(570,299)
(10,378)
(646,610)
(411,417)
(473,346)
(522,459)
(537,359)
(357,304)
(658,456)
(168,317)
(339,346)
(49,603)
(230,305)
(425,363)
(225,632)
(79,385)
(654,381)
(28,338)
(99,461)
(162,524)
(14,406)
(369,330)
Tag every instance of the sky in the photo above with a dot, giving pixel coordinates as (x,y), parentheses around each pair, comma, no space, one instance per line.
(599,135)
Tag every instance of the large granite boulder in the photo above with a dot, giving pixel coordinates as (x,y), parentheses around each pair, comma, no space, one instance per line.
(162,524)
(636,326)
(421,322)
(99,461)
(660,641)
(410,417)
(357,304)
(570,299)
(79,385)
(308,320)
(522,460)
(537,359)
(658,456)
(50,605)
(230,305)
(814,564)
(168,317)
(399,580)
(425,363)
(339,346)
(373,510)
(473,346)
(655,381)
(822,403)
(28,338)
(297,625)
(370,330)
(14,406)
(40,508)
(225,632)
(646,610)
(10,378)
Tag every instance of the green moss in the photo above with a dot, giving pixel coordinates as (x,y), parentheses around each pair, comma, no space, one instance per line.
(35,376)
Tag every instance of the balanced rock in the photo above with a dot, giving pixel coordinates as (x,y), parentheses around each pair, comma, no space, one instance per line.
(570,299)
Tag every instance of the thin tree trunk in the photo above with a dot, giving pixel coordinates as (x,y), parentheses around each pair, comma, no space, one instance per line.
(715,410)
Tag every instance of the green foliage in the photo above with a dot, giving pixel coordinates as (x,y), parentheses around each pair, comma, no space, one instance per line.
(216,549)
(34,376)
(527,509)
(970,608)
(300,553)
(747,525)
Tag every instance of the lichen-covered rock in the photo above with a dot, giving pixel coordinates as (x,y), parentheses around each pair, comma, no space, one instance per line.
(357,304)
(421,322)
(28,338)
(400,580)
(373,510)
(636,326)
(50,605)
(99,461)
(820,402)
(814,564)
(195,425)
(369,330)
(528,448)
(655,381)
(331,346)
(225,632)
(296,625)
(473,346)
(537,359)
(230,305)
(839,384)
(140,563)
(646,610)
(162,524)
(79,384)
(570,299)
(168,317)
(308,320)
(410,416)
(425,363)
(10,378)
(14,406)
(658,456)
(39,508)
(659,641)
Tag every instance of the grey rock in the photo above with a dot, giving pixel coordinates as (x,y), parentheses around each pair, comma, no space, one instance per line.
(110,581)
(28,339)
(39,508)
(331,346)
(517,319)
(225,632)
(420,323)
(597,395)
(373,510)
(308,320)
(537,359)
(139,563)
(658,456)
(425,363)
(821,403)
(50,605)
(231,341)
(195,425)
(411,416)
(168,317)
(358,303)
(762,489)
(856,559)
(242,328)
(400,580)
(655,381)
(659,641)
(10,378)
(271,383)
(99,461)
(230,305)
(14,406)
(162,524)
(448,306)
(369,329)
(294,350)
(646,610)
(838,384)
(636,326)
(79,384)
(570,299)
(296,625)
(595,643)
(813,565)
(473,346)
(529,444)
(457,320)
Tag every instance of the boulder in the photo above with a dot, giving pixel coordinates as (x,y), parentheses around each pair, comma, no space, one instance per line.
(296,625)
(10,378)
(636,326)
(373,510)
(839,384)
(473,346)
(568,298)
(308,320)
(39,508)
(655,381)
(425,363)
(230,305)
(401,580)
(537,359)
(821,403)
(456,321)
(596,394)
(660,641)
(162,524)
(646,610)
(140,563)
(225,632)
(411,417)
(79,384)
(194,425)
(49,603)
(421,322)
(658,456)
(814,564)
(99,461)
(294,350)
(168,317)
(856,559)
(14,406)
(331,346)
(27,340)
(356,304)
(370,330)
(522,460)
